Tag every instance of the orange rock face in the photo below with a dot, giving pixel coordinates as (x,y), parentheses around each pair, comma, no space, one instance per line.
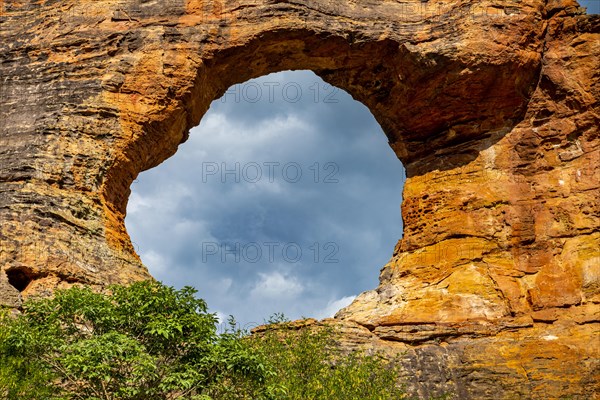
(492,106)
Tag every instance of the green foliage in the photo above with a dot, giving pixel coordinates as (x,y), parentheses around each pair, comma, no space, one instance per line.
(21,377)
(309,365)
(145,341)
(149,341)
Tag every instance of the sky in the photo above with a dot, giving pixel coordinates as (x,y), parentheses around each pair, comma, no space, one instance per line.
(285,199)
(593,6)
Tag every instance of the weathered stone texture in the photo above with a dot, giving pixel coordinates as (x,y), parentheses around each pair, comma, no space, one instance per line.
(492,106)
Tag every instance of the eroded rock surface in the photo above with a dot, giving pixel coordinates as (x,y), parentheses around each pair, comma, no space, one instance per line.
(492,106)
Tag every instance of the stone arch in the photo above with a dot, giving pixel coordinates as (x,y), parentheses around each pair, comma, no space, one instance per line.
(398,81)
(492,108)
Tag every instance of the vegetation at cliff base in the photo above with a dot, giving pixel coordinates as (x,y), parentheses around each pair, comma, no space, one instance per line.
(150,341)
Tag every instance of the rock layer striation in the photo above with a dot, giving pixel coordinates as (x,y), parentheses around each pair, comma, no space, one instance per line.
(492,106)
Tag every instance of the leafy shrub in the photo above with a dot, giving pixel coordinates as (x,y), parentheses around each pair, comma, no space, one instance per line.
(150,341)
(145,341)
(309,365)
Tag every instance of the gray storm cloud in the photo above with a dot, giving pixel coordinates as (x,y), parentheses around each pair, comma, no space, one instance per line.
(286,198)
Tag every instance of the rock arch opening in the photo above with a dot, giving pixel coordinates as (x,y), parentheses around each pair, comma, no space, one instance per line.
(286,198)
(415,93)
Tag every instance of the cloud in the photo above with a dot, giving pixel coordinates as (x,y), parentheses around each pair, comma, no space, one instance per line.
(221,318)
(137,204)
(334,306)
(178,208)
(276,285)
(154,261)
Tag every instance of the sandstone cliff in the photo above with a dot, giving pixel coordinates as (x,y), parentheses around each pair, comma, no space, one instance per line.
(492,106)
